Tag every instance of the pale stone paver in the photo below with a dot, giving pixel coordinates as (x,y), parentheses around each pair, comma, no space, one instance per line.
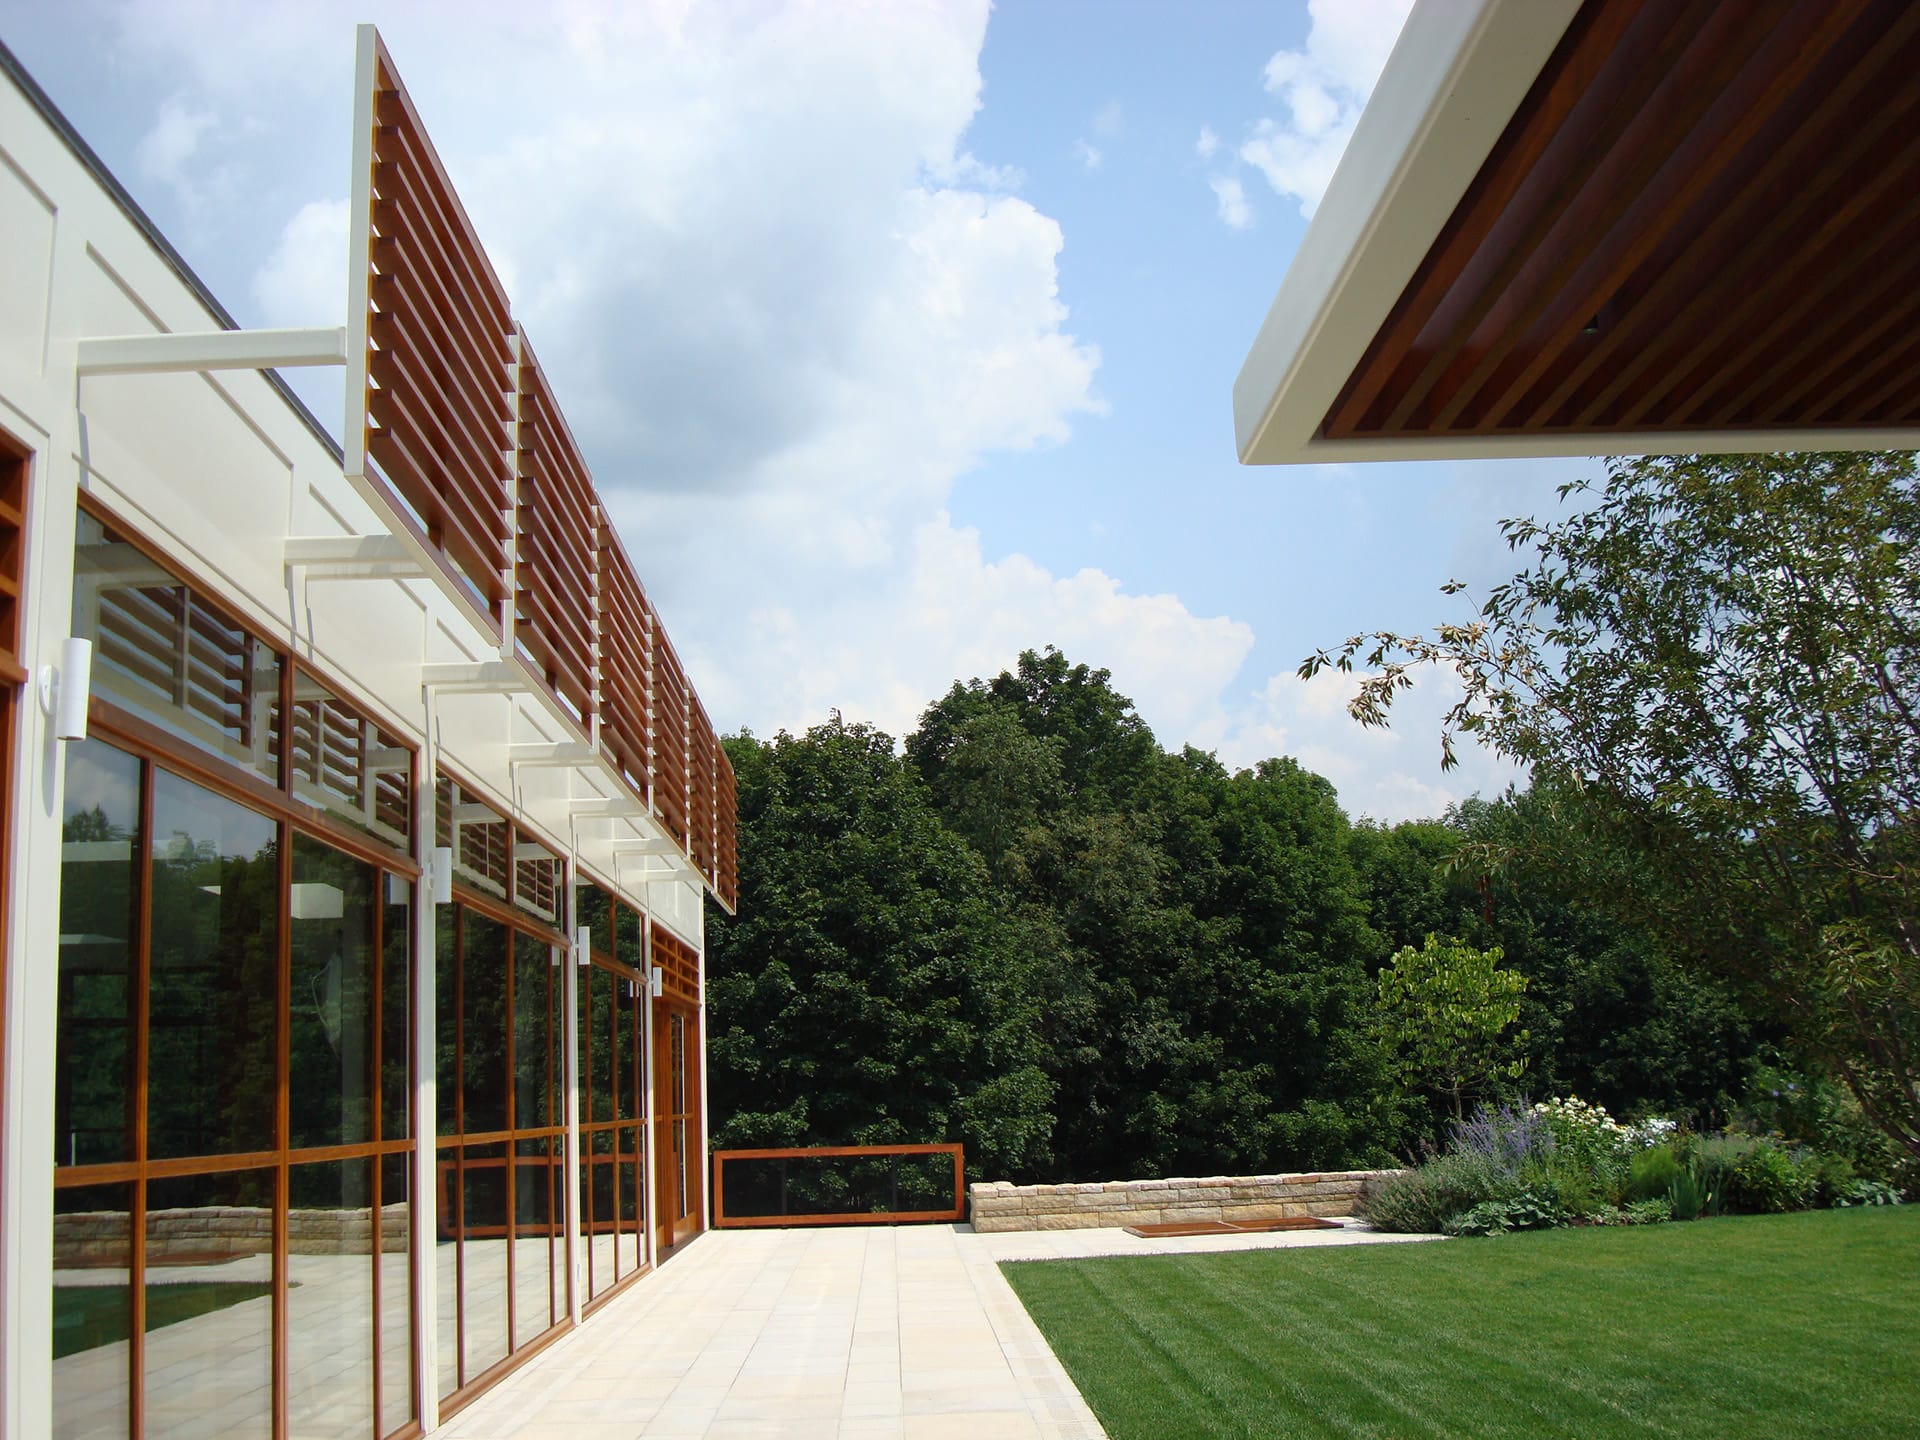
(907,1333)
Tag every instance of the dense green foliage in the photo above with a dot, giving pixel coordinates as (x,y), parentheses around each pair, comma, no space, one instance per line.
(1086,957)
(1792,1325)
(1444,1013)
(1721,655)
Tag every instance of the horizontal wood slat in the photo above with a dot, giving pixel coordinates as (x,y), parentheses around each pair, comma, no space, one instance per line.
(626,662)
(1702,217)
(556,574)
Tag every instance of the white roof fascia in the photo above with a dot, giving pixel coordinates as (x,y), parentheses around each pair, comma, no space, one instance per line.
(1457,74)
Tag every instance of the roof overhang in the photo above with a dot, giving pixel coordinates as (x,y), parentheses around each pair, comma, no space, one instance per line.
(1577,227)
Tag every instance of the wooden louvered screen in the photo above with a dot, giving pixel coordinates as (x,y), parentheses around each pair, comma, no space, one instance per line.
(13,525)
(439,385)
(555,579)
(703,781)
(626,662)
(727,806)
(459,437)
(679,964)
(670,758)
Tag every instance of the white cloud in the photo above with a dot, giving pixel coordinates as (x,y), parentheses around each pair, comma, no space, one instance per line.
(1231,195)
(1087,155)
(165,150)
(1390,775)
(303,280)
(1207,143)
(1323,88)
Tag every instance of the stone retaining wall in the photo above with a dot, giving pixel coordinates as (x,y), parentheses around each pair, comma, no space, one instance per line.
(100,1237)
(998,1205)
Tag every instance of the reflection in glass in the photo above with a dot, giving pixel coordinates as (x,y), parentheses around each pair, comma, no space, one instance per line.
(533,1048)
(483,1257)
(396,1293)
(330,1299)
(538,876)
(592,909)
(621,1061)
(208,1287)
(330,1017)
(627,1251)
(162,651)
(345,764)
(213,992)
(446,1020)
(396,1009)
(626,947)
(483,1023)
(92,1310)
(602,1185)
(534,1205)
(597,1053)
(446,1262)
(93,1044)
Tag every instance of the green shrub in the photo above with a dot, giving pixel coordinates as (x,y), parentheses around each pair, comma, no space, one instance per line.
(1867,1192)
(1768,1180)
(1686,1199)
(1423,1201)
(1833,1176)
(1654,1211)
(1652,1172)
(1713,1162)
(1525,1211)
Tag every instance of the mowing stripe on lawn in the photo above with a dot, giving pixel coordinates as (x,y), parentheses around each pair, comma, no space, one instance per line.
(1769,1327)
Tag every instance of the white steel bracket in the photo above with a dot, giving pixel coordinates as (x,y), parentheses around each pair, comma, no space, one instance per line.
(211,350)
(354,557)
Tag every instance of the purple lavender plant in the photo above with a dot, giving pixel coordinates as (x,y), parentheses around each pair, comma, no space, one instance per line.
(1507,1135)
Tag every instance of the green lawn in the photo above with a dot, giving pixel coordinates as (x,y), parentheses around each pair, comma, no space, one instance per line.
(1775,1327)
(88,1315)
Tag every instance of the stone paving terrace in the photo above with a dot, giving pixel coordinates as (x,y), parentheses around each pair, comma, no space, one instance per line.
(888,1333)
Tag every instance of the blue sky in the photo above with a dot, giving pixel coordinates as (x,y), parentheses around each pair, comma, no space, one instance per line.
(900,335)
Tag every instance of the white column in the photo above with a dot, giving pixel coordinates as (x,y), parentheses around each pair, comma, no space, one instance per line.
(576,1244)
(426,1159)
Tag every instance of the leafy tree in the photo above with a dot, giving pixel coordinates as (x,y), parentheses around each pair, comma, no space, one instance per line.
(1445,1009)
(1718,654)
(868,992)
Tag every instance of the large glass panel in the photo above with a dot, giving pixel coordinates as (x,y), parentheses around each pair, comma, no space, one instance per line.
(446,1260)
(162,651)
(396,1009)
(534,1206)
(480,838)
(627,1247)
(92,1311)
(209,1286)
(599,1057)
(593,909)
(483,1257)
(627,948)
(606,1208)
(483,1023)
(214,991)
(330,1015)
(621,1061)
(533,1048)
(446,1020)
(330,1358)
(93,1044)
(396,1293)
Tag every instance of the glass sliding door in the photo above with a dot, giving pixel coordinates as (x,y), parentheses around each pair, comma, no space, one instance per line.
(232,1093)
(612,1050)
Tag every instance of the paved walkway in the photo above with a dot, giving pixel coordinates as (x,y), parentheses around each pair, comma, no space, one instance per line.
(907,1333)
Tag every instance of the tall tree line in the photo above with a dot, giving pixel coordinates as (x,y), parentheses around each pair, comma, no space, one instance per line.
(1031,929)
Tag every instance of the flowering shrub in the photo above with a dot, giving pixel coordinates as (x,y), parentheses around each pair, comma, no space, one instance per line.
(1510,1136)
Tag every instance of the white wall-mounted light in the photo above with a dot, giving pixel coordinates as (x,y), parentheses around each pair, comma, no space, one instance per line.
(656,982)
(583,945)
(64,690)
(440,875)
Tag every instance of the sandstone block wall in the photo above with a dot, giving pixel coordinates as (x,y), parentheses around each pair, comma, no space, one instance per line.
(998,1205)
(100,1237)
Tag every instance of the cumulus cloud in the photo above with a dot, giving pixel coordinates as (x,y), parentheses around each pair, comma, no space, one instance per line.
(1390,775)
(1322,88)
(1235,212)
(1088,155)
(300,282)
(1207,143)
(165,150)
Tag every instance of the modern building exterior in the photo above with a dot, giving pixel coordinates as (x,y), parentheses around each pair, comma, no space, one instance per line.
(1579,227)
(357,820)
